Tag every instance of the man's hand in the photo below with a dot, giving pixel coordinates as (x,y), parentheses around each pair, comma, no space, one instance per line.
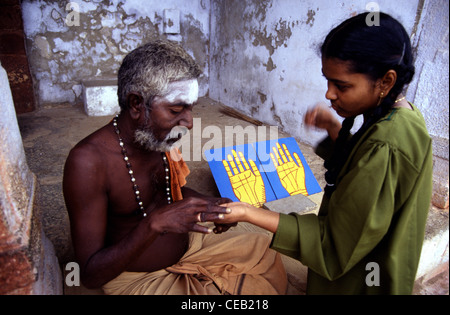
(182,216)
(222,227)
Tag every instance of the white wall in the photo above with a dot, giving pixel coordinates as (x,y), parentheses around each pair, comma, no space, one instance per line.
(260,56)
(265,59)
(63,54)
(429,89)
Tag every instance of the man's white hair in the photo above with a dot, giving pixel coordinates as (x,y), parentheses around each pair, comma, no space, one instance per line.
(149,69)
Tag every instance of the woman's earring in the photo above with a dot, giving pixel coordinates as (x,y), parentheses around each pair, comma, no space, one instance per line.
(381,98)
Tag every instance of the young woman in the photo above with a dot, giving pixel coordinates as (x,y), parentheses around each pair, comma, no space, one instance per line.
(368,236)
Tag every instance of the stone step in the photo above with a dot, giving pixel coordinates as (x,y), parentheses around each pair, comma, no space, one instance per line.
(435,245)
(100,97)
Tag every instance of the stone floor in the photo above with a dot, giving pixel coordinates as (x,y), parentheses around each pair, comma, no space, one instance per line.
(50,132)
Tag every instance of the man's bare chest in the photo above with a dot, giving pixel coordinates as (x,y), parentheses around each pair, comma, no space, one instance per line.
(141,183)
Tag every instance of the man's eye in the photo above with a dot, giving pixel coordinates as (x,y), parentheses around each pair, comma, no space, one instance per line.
(176,110)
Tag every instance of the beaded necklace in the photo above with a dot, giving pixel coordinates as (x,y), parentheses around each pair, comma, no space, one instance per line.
(130,171)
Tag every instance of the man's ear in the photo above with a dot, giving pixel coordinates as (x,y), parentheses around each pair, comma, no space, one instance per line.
(135,104)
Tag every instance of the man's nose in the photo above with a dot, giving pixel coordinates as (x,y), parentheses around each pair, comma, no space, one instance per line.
(187,119)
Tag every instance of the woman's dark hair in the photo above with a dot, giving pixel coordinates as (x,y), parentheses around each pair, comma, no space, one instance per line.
(373,51)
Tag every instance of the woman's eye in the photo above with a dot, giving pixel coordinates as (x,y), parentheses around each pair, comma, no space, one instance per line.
(341,87)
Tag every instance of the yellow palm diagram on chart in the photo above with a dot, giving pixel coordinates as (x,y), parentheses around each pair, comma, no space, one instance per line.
(261,172)
(247,183)
(290,172)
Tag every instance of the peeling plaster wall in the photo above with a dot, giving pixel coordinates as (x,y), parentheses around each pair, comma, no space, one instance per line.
(62,55)
(429,88)
(265,54)
(265,61)
(260,56)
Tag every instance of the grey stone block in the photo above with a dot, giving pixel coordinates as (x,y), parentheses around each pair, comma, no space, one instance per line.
(297,203)
(100,97)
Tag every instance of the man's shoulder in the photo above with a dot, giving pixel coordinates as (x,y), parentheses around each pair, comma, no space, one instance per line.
(92,148)
(86,167)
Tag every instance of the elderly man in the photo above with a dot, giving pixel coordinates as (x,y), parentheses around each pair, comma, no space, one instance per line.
(134,226)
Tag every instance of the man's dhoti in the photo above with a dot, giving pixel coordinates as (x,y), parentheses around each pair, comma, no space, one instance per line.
(228,263)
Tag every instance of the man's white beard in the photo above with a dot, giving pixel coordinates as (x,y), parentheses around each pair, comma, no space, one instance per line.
(147,139)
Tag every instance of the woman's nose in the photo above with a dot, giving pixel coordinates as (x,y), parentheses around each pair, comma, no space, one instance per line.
(331,93)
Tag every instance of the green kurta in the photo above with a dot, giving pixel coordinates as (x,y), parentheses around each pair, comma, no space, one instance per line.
(377,214)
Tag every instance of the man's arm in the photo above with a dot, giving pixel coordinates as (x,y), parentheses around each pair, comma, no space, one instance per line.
(86,201)
(86,198)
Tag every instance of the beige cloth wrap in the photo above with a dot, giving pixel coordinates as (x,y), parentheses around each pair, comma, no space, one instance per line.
(229,263)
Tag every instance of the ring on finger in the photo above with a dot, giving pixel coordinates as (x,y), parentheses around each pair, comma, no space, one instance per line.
(199,217)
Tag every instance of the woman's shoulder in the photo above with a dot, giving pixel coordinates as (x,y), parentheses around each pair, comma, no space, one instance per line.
(404,131)
(400,123)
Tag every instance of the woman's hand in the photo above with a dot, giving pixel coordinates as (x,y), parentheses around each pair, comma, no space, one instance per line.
(236,212)
(321,117)
(219,226)
(244,212)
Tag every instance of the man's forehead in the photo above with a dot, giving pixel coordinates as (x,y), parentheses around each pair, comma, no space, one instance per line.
(183,84)
(183,90)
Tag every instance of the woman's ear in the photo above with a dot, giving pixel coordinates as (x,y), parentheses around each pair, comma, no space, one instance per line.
(135,104)
(388,81)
